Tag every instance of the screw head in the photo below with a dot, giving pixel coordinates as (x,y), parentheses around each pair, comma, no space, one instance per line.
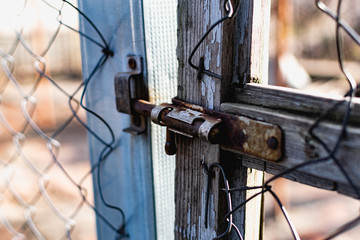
(272,143)
(132,63)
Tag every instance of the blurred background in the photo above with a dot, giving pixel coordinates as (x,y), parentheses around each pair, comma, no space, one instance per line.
(302,55)
(30,31)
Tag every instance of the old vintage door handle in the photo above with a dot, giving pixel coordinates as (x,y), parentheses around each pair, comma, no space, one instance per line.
(232,132)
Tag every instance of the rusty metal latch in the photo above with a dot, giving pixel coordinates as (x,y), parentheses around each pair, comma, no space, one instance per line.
(125,83)
(186,122)
(242,134)
(231,132)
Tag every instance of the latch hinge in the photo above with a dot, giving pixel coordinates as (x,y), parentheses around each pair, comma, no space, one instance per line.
(234,133)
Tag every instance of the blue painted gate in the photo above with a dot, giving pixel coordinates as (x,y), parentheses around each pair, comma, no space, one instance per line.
(135,175)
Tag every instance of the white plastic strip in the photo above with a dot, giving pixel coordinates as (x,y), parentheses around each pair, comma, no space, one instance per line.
(160,19)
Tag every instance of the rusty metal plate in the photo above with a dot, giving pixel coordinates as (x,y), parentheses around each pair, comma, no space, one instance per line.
(244,135)
(252,137)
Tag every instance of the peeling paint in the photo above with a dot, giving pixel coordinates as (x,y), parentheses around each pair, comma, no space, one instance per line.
(216,34)
(212,56)
(207,58)
(206,13)
(218,59)
(191,229)
(208,91)
(198,230)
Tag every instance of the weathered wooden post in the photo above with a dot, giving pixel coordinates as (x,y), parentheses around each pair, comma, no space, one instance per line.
(237,50)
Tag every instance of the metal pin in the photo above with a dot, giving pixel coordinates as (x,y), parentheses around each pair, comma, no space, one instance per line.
(170,145)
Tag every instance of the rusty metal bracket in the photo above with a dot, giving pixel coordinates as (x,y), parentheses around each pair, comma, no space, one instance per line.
(244,135)
(252,137)
(127,86)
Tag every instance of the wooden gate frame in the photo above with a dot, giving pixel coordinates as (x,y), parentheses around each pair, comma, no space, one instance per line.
(239,50)
(242,43)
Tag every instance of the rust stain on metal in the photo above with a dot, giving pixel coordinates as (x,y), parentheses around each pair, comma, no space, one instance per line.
(252,137)
(233,132)
(244,135)
(272,143)
(188,105)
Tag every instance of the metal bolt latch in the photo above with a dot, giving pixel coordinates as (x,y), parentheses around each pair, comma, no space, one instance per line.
(231,132)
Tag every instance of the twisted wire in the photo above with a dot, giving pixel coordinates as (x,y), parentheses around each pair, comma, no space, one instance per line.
(28,105)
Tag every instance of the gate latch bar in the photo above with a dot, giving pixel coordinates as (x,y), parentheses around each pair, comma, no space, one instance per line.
(232,132)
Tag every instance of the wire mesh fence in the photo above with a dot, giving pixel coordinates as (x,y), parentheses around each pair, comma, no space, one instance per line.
(45,178)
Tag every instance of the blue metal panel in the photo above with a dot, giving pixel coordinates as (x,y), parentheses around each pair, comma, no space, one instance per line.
(126,175)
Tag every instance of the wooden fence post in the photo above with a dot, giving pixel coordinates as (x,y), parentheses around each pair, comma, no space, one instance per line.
(236,49)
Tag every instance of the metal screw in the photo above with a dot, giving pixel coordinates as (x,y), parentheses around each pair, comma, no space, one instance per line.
(170,145)
(272,143)
(132,63)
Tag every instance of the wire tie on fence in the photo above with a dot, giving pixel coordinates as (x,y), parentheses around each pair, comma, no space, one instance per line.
(107,52)
(121,233)
(231,13)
